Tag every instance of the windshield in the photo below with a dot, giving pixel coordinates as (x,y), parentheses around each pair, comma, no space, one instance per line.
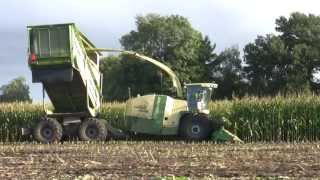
(50,42)
(198,95)
(208,97)
(203,96)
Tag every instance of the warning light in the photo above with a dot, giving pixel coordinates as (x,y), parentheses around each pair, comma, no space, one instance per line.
(33,57)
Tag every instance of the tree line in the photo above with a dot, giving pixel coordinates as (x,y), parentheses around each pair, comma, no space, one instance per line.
(284,63)
(15,90)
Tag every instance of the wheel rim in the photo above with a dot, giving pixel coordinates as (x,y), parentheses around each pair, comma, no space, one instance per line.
(195,129)
(47,133)
(92,132)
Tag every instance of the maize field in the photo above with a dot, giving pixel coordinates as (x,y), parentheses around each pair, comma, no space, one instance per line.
(260,122)
(288,119)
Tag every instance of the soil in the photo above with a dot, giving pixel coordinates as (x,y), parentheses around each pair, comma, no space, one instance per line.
(149,159)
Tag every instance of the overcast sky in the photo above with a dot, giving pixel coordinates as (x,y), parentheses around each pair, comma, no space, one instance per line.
(227,22)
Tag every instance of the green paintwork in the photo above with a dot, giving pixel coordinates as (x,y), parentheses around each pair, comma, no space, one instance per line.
(154,114)
(62,46)
(51,44)
(149,126)
(223,135)
(159,107)
(170,131)
(145,126)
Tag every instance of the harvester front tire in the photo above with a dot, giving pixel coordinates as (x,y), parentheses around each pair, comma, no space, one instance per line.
(48,131)
(195,127)
(92,130)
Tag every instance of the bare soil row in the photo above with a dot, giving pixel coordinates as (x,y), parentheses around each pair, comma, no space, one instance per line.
(148,159)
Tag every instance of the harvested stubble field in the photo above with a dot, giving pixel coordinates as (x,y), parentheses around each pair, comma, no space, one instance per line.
(147,159)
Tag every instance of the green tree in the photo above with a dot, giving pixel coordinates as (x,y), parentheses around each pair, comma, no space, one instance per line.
(113,79)
(301,36)
(266,65)
(285,63)
(169,39)
(226,71)
(206,57)
(16,90)
(120,77)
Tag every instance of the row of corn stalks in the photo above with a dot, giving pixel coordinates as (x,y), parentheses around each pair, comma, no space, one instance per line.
(252,119)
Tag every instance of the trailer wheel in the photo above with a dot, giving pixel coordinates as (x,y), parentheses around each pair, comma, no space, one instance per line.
(92,130)
(195,127)
(48,131)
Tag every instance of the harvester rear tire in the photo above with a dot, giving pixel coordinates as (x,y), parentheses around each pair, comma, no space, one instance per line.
(48,131)
(92,130)
(195,127)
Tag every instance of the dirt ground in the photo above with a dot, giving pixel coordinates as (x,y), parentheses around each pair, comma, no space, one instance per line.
(147,159)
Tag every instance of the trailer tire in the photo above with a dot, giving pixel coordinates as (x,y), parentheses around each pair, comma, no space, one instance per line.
(48,131)
(92,130)
(195,127)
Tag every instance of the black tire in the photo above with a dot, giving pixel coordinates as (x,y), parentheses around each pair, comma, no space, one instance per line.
(48,130)
(92,130)
(195,127)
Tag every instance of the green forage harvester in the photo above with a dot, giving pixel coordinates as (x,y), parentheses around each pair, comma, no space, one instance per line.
(67,64)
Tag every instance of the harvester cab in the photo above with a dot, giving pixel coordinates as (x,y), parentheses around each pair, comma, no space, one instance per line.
(199,96)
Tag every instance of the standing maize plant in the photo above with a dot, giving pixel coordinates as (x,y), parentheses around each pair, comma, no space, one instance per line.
(13,116)
(252,119)
(114,113)
(273,119)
